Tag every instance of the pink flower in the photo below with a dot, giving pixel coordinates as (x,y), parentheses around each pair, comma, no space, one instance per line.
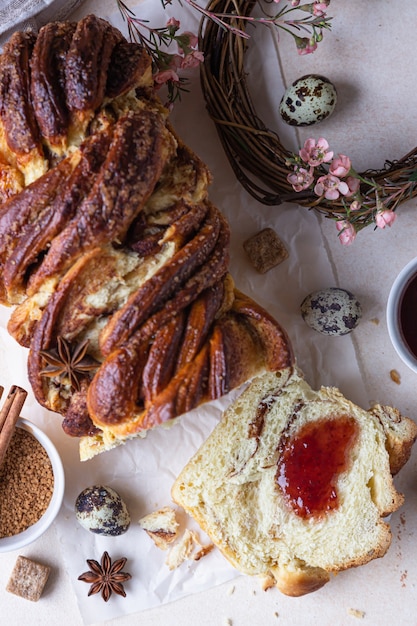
(319,8)
(173,24)
(340,166)
(175,61)
(315,154)
(347,232)
(305,45)
(186,41)
(330,187)
(165,76)
(355,205)
(353,184)
(385,218)
(301,178)
(193,59)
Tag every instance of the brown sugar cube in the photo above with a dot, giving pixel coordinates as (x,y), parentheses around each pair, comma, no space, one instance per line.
(28,579)
(265,250)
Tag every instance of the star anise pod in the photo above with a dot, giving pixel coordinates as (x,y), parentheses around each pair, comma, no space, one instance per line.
(65,362)
(106,577)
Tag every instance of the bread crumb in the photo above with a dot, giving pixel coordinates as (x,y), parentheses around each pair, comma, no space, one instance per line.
(203,551)
(231,590)
(184,548)
(395,377)
(228,622)
(181,551)
(265,250)
(28,579)
(161,526)
(276,614)
(267,582)
(356,613)
(375,321)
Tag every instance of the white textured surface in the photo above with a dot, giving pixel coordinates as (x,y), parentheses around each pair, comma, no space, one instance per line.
(25,14)
(369,57)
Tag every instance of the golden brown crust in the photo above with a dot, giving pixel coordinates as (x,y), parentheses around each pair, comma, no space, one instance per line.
(201,317)
(270,334)
(114,390)
(20,142)
(48,82)
(399,453)
(139,149)
(22,210)
(87,62)
(17,115)
(53,217)
(298,581)
(77,421)
(214,366)
(130,67)
(12,181)
(160,363)
(400,435)
(185,391)
(44,333)
(171,279)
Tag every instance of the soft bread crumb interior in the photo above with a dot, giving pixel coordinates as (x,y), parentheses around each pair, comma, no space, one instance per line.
(230,484)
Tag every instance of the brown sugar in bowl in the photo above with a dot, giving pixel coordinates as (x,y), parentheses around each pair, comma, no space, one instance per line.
(34,501)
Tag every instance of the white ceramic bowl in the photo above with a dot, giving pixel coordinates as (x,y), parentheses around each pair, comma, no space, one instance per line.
(8,544)
(395,297)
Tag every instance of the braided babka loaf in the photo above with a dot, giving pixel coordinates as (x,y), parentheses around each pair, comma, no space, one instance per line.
(112,256)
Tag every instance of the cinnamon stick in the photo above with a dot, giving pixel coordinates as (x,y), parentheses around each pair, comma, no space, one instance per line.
(9,414)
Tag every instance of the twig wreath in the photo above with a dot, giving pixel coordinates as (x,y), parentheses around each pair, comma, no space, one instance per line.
(270,172)
(266,168)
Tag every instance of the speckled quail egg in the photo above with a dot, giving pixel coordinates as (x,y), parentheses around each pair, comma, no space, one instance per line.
(102,511)
(310,99)
(331,311)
